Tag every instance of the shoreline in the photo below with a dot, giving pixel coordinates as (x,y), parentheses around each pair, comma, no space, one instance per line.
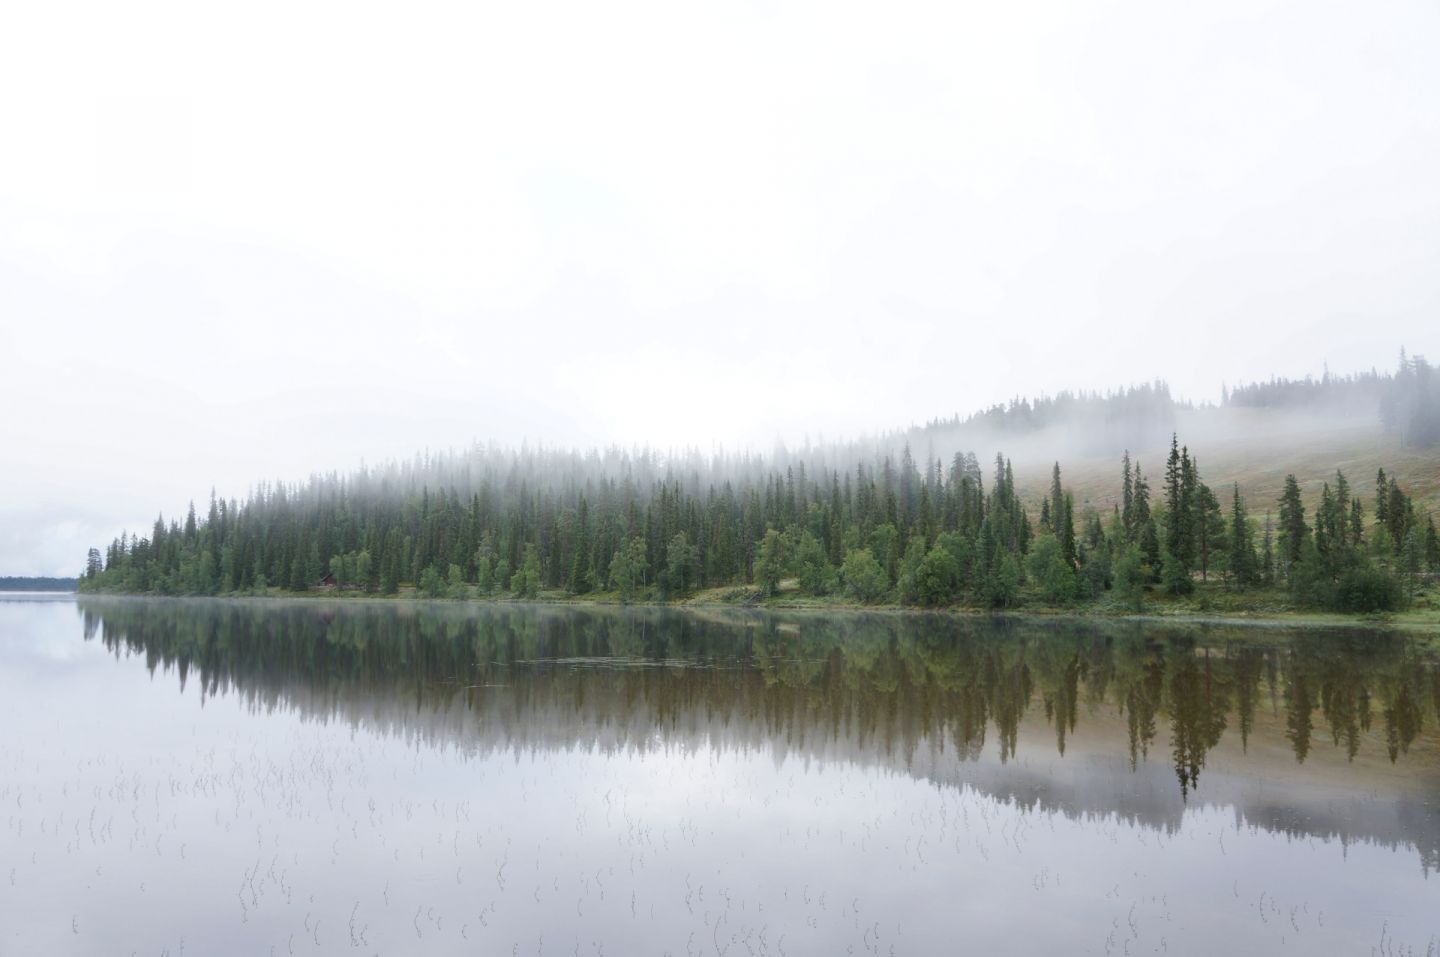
(1424,621)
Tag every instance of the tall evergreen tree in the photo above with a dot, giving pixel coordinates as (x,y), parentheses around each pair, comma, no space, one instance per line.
(1293,530)
(1240,556)
(1127,499)
(1209,528)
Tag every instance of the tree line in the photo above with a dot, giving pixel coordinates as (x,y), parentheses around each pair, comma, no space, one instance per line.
(36,583)
(515,523)
(1407,400)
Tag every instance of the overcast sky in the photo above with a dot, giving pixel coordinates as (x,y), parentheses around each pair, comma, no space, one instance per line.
(258,240)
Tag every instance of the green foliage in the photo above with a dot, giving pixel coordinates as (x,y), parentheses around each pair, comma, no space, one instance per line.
(1241,566)
(1360,586)
(1366,589)
(812,565)
(484,570)
(1002,584)
(864,578)
(1174,575)
(1096,572)
(770,562)
(352,569)
(525,583)
(627,569)
(1211,540)
(682,559)
(884,545)
(1293,531)
(926,535)
(1050,570)
(582,573)
(390,577)
(431,585)
(1129,577)
(937,579)
(455,585)
(907,576)
(1414,557)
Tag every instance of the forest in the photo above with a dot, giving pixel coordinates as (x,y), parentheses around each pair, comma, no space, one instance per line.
(852,522)
(631,527)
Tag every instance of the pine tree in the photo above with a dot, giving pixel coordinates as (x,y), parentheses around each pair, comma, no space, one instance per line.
(582,577)
(1414,558)
(1325,523)
(1267,552)
(1398,513)
(1209,526)
(1179,522)
(681,557)
(1127,499)
(1293,531)
(525,583)
(770,562)
(1145,532)
(390,577)
(1382,498)
(1057,500)
(1241,553)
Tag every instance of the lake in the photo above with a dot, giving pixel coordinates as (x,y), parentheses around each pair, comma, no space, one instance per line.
(249,777)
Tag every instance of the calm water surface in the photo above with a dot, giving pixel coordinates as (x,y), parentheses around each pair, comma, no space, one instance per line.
(251,778)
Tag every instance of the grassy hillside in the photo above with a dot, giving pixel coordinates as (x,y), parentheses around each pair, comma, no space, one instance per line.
(1259,456)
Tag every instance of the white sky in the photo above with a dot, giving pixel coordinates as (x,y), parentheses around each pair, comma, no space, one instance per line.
(258,240)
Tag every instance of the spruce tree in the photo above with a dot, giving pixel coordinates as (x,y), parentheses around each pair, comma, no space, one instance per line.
(1057,499)
(1127,499)
(1241,552)
(1178,520)
(1382,498)
(1293,531)
(1398,513)
(1067,530)
(1209,527)
(1267,552)
(581,578)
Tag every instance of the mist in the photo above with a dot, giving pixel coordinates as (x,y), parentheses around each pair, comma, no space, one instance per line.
(795,224)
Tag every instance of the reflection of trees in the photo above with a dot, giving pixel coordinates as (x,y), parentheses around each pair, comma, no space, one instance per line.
(825,686)
(1199,701)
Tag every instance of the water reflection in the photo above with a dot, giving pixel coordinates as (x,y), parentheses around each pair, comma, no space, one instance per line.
(989,703)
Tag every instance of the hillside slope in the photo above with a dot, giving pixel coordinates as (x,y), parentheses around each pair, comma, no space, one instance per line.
(1258,454)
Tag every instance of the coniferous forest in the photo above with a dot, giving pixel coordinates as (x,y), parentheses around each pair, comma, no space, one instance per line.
(852,522)
(928,533)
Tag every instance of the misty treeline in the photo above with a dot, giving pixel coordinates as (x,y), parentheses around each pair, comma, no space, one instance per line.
(1097,423)
(1407,401)
(31,583)
(498,523)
